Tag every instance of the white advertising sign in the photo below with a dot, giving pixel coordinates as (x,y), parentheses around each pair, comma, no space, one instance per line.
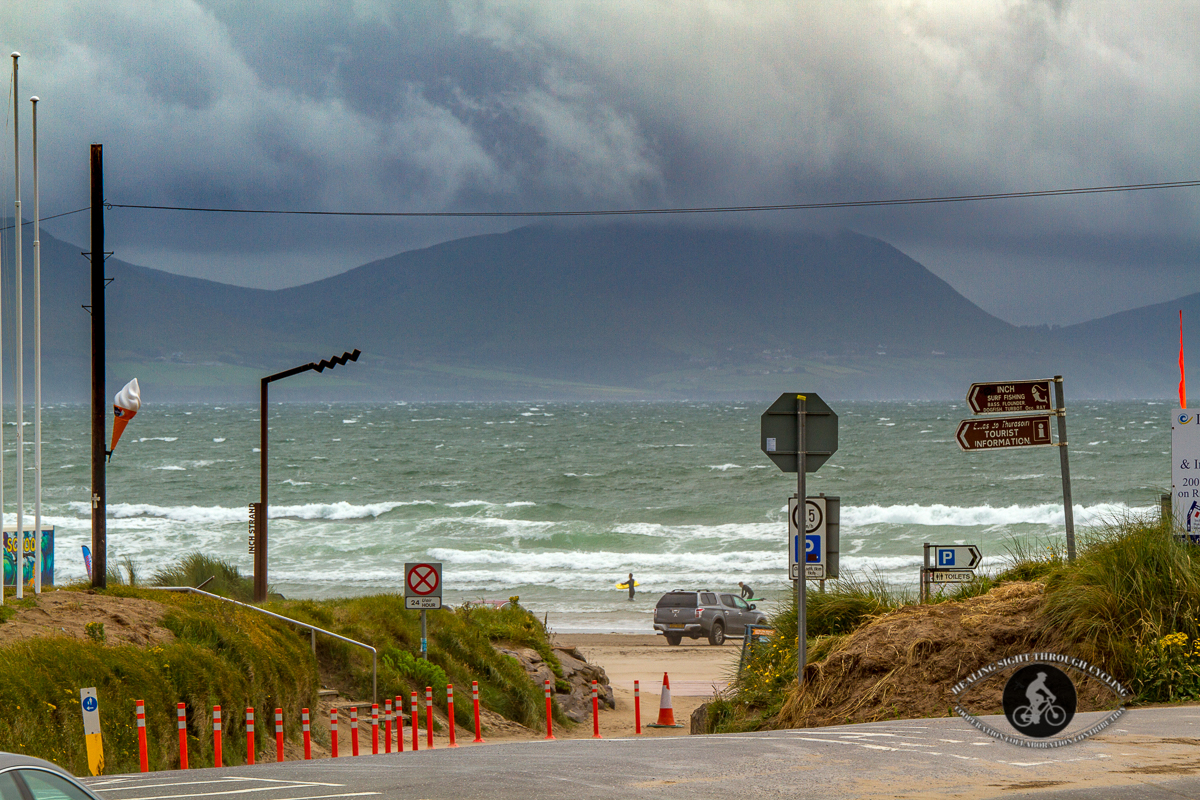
(1185,472)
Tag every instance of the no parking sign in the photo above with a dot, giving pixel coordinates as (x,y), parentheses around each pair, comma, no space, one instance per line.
(423,585)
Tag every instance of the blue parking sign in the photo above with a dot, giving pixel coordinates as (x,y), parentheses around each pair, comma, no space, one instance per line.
(945,557)
(812,548)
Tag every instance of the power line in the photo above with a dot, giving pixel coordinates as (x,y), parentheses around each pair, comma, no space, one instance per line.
(1135,187)
(43,219)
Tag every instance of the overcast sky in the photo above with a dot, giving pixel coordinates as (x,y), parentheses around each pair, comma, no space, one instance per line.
(480,106)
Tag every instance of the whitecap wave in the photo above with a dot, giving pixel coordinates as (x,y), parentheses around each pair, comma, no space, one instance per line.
(938,514)
(219,514)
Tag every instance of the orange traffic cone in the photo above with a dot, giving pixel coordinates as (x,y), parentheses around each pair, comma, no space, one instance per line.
(666,714)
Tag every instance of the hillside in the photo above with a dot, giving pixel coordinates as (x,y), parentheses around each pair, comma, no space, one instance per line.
(612,311)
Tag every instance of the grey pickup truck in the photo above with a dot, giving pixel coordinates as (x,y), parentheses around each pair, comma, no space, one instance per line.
(693,614)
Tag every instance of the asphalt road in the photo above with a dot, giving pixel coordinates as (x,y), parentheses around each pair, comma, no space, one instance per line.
(1149,754)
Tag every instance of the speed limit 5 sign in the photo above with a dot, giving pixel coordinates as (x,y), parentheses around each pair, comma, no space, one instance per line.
(816,548)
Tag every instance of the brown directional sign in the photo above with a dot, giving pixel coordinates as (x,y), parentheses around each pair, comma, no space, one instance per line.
(1010,398)
(988,434)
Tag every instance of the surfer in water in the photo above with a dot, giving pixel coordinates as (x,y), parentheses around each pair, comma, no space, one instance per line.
(747,592)
(631,585)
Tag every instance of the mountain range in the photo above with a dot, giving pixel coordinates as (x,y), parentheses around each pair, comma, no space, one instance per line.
(602,312)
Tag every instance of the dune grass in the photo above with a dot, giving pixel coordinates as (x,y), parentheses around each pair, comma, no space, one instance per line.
(233,657)
(1129,603)
(221,656)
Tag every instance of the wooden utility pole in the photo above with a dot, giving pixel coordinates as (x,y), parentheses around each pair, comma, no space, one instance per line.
(99,507)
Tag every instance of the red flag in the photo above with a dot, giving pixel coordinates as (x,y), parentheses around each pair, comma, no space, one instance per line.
(1182,375)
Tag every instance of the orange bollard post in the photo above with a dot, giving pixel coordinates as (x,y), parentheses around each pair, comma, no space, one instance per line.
(375,729)
(450,710)
(143,754)
(304,727)
(353,730)
(399,723)
(217,760)
(250,736)
(475,702)
(333,732)
(549,718)
(181,721)
(595,712)
(387,725)
(279,735)
(637,707)
(416,722)
(429,717)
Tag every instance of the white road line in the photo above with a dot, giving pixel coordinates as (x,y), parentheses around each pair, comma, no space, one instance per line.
(226,780)
(276,788)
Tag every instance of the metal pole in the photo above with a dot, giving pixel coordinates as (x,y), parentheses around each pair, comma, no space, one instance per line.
(37,367)
(99,420)
(424,643)
(1068,509)
(924,593)
(802,502)
(19,574)
(260,535)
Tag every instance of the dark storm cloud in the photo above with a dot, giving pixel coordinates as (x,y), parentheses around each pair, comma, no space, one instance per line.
(535,105)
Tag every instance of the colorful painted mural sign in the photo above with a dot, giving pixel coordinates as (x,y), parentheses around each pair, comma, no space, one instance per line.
(28,556)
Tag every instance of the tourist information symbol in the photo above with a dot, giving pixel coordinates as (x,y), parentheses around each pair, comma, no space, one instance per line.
(1013,397)
(423,585)
(994,432)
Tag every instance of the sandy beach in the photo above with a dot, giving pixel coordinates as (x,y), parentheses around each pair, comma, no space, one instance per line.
(697,671)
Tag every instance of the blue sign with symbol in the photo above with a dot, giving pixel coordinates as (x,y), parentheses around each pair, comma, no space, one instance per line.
(945,558)
(89,704)
(812,548)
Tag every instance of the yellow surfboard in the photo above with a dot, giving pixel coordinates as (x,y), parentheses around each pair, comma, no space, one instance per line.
(625,584)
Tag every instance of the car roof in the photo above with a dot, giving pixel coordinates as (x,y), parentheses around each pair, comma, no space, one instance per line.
(10,760)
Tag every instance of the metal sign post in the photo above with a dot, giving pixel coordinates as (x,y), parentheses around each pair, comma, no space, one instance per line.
(1068,509)
(1030,430)
(806,420)
(801,588)
(423,591)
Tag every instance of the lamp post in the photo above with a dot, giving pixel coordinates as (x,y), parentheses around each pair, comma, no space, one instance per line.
(258,515)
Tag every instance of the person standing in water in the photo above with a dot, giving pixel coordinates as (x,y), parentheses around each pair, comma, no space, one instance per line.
(631,586)
(747,592)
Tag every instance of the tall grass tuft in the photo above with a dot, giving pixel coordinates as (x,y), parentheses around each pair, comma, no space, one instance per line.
(196,568)
(1132,583)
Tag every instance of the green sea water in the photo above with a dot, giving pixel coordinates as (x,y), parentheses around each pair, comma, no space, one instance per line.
(558,502)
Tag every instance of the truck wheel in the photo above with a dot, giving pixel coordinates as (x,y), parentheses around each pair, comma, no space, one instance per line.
(674,638)
(717,635)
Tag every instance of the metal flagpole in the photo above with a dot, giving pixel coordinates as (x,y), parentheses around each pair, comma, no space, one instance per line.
(18,323)
(37,368)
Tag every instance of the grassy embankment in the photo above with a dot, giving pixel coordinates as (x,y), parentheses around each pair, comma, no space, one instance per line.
(229,656)
(1130,602)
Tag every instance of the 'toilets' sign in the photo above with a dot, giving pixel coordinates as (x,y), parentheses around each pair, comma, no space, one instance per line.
(1185,472)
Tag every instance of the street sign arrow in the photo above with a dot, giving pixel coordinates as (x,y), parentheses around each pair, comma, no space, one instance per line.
(956,556)
(997,432)
(1010,398)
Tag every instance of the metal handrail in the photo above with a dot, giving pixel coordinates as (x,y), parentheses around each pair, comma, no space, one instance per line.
(313,629)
